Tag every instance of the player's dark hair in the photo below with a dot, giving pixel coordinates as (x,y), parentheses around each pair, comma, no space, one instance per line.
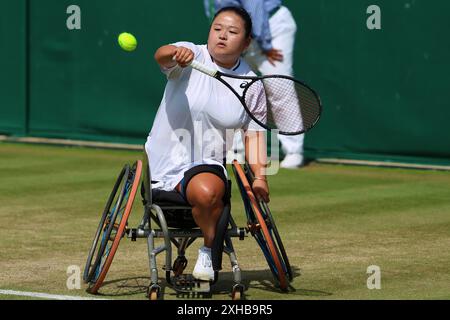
(243,14)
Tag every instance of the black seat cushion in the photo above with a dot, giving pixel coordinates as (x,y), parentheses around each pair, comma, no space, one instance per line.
(178,218)
(168,198)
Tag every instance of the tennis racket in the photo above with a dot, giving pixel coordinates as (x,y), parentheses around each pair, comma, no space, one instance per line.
(275,102)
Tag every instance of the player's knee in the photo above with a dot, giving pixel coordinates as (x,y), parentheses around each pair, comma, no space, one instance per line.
(207,197)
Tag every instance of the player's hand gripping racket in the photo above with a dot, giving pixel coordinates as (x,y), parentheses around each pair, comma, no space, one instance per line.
(275,102)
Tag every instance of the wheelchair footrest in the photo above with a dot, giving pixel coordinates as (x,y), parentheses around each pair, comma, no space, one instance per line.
(186,283)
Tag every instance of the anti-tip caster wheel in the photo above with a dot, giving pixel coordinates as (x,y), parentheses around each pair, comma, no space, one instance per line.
(237,293)
(153,293)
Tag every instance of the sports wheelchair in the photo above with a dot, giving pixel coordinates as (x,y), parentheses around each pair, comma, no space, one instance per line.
(173,222)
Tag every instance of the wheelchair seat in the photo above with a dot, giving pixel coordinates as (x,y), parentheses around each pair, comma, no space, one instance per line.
(168,199)
(177,211)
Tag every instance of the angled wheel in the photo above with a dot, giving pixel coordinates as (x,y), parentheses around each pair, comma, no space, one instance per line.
(263,229)
(112,226)
(267,215)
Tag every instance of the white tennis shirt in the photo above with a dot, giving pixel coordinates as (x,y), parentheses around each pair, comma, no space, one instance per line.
(196,119)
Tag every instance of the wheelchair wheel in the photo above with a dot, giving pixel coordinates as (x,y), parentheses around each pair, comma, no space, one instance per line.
(263,230)
(238,292)
(112,226)
(267,214)
(154,293)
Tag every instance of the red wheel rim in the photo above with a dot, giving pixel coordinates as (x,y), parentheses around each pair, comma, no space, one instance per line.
(137,177)
(268,237)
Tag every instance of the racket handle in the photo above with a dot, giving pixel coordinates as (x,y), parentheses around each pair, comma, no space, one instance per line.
(202,68)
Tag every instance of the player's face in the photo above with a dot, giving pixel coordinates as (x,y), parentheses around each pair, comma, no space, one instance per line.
(227,38)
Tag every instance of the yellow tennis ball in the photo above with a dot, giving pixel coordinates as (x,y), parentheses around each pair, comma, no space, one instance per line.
(127,41)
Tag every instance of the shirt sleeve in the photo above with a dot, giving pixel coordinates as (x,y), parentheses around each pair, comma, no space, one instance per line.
(176,72)
(261,26)
(257,105)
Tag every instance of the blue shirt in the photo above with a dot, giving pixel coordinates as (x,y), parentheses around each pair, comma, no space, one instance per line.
(259,10)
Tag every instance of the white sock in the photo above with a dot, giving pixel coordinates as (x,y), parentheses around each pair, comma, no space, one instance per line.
(206,250)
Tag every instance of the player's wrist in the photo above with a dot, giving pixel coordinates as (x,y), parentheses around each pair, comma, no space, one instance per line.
(261,178)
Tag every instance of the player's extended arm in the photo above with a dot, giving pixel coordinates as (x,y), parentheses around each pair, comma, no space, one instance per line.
(169,56)
(256,155)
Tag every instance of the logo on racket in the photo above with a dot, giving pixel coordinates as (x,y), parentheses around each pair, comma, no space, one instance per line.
(244,85)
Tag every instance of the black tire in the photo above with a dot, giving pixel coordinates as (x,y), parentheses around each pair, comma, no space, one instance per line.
(105,227)
(271,224)
(266,235)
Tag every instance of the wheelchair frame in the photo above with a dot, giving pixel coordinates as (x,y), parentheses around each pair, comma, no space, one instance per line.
(260,224)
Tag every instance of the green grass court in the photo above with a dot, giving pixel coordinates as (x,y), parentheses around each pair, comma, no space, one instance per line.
(335,221)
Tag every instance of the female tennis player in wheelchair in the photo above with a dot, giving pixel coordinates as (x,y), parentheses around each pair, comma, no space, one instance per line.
(186,190)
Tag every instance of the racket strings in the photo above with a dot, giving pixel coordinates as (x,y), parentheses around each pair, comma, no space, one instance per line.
(283,104)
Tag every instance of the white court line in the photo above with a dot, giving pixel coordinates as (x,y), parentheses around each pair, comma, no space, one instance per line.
(44,295)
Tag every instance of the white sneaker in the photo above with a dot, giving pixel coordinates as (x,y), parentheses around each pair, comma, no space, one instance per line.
(292,161)
(203,268)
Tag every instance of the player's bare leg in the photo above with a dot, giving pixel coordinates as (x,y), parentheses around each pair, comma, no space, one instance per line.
(205,193)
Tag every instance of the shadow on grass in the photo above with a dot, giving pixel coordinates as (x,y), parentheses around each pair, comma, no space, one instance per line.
(257,280)
(264,280)
(125,287)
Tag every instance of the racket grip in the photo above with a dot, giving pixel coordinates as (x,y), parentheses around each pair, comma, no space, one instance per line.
(202,68)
